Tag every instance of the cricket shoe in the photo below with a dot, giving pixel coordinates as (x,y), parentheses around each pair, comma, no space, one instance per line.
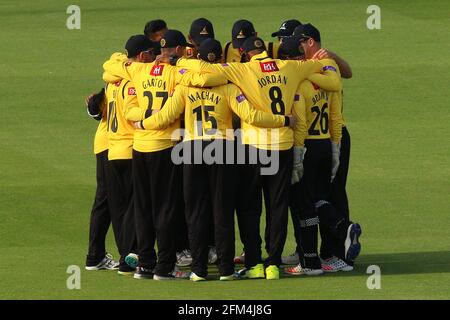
(184,258)
(231,277)
(334,264)
(292,259)
(240,259)
(143,273)
(126,270)
(108,263)
(176,274)
(256,272)
(196,278)
(298,270)
(132,260)
(352,244)
(272,273)
(212,255)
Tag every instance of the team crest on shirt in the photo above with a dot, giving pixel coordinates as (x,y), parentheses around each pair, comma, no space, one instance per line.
(240,98)
(157,70)
(131,91)
(269,66)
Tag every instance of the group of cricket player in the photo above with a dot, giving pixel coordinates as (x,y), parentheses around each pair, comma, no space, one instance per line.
(193,133)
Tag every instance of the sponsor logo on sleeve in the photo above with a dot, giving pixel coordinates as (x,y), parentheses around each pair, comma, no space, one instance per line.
(240,98)
(182,71)
(297,97)
(131,91)
(329,68)
(269,66)
(225,65)
(157,70)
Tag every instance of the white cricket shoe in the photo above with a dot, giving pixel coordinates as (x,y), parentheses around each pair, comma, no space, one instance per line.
(108,263)
(334,264)
(184,258)
(298,270)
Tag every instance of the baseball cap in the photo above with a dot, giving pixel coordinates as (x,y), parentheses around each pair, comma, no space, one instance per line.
(210,50)
(201,29)
(172,39)
(287,28)
(290,47)
(307,31)
(136,44)
(242,29)
(154,26)
(253,43)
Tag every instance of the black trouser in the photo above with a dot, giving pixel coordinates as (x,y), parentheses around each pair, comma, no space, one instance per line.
(276,193)
(120,199)
(338,199)
(100,216)
(157,197)
(314,192)
(209,193)
(295,216)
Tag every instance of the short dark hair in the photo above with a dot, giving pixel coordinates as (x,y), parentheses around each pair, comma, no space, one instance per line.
(154,26)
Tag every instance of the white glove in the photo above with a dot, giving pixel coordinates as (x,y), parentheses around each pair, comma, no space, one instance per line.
(297,170)
(335,154)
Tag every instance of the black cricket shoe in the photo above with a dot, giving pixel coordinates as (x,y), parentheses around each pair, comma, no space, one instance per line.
(143,273)
(126,270)
(352,244)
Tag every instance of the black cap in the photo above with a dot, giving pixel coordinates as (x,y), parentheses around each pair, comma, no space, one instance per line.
(172,39)
(287,28)
(136,44)
(306,31)
(210,50)
(253,43)
(242,29)
(201,29)
(154,26)
(290,47)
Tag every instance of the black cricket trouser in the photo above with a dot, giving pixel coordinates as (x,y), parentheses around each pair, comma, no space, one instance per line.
(338,199)
(276,193)
(209,193)
(157,197)
(295,216)
(100,215)
(120,199)
(314,192)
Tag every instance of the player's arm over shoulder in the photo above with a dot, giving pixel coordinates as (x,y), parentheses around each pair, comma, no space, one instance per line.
(172,110)
(330,77)
(249,114)
(118,66)
(186,77)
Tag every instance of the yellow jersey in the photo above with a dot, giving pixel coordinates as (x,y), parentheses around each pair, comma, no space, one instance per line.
(101,135)
(322,110)
(153,84)
(120,131)
(231,54)
(208,112)
(270,85)
(329,66)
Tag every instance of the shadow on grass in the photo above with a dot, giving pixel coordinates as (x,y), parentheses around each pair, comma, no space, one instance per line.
(406,262)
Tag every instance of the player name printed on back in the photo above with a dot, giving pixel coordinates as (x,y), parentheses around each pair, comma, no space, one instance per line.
(205,95)
(321,95)
(273,79)
(157,83)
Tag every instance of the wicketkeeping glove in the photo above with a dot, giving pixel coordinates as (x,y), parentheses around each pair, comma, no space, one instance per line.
(297,170)
(94,105)
(335,154)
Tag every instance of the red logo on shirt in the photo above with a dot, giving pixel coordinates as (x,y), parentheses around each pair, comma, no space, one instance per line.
(316,87)
(131,91)
(157,70)
(270,66)
(117,84)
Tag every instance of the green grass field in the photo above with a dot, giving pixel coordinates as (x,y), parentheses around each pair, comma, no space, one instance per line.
(396,107)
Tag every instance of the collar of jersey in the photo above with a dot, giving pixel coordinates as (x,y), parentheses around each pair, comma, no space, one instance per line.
(263,55)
